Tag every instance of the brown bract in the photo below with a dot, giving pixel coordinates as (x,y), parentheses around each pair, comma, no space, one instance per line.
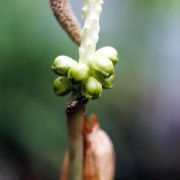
(99,155)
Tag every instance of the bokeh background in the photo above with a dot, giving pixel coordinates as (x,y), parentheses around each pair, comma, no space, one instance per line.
(141,113)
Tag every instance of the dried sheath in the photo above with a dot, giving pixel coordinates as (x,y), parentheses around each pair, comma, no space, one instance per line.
(65,16)
(99,155)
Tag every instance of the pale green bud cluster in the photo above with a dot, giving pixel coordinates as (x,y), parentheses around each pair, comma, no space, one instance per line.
(95,69)
(71,73)
(102,66)
(90,78)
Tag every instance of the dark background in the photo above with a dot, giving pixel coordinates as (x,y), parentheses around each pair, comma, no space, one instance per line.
(141,113)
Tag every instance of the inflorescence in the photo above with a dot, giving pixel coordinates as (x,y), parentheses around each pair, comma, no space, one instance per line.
(95,69)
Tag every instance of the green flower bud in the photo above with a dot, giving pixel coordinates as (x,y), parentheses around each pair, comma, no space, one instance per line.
(107,83)
(91,89)
(102,65)
(62,64)
(79,72)
(109,52)
(62,86)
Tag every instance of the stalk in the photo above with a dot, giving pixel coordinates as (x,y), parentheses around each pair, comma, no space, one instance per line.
(75,143)
(89,38)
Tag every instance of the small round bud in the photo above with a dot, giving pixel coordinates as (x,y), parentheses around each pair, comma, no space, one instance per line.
(109,52)
(91,89)
(62,86)
(79,72)
(62,64)
(107,83)
(102,65)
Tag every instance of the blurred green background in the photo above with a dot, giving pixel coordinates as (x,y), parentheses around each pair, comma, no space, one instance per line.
(140,114)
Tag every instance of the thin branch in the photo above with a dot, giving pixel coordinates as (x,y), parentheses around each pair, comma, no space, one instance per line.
(63,12)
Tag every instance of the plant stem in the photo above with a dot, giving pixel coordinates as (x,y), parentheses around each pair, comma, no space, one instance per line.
(75,114)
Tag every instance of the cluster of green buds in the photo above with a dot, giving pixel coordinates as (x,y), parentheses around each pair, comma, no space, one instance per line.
(95,69)
(88,78)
